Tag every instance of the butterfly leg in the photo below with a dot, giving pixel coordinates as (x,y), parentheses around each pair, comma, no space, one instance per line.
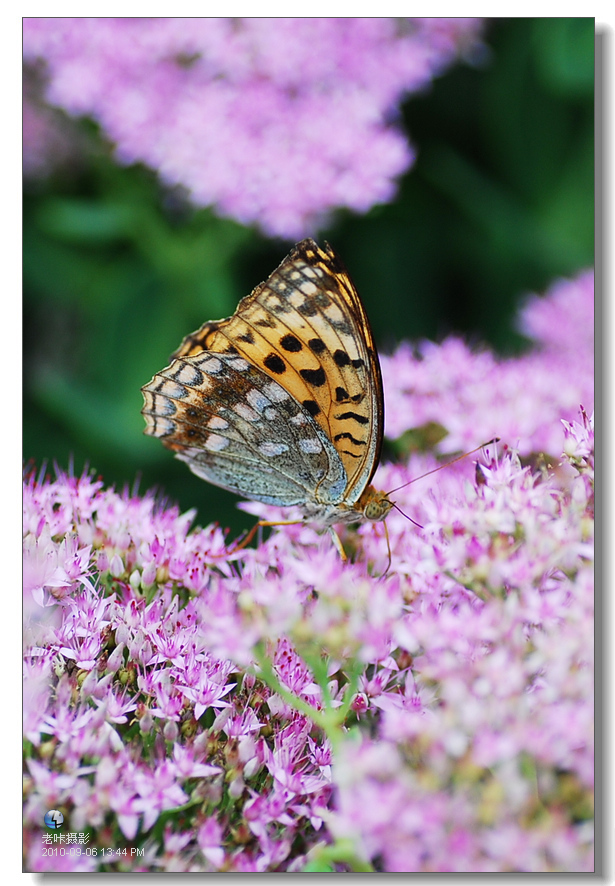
(243,542)
(338,544)
(240,545)
(386,535)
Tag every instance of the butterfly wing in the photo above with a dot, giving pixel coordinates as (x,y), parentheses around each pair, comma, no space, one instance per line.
(237,428)
(305,327)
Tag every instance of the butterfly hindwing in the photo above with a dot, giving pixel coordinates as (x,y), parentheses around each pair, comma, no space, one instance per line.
(237,428)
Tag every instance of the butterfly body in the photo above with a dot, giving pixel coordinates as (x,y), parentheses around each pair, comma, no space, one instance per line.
(282,402)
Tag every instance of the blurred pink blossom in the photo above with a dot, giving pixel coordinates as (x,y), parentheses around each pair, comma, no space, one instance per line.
(272,121)
(476,396)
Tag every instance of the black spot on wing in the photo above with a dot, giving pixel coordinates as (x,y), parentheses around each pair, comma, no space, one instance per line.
(317,345)
(291,343)
(314,377)
(347,436)
(275,364)
(361,419)
(311,406)
(341,358)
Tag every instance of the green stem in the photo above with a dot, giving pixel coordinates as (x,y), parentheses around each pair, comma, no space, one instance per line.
(473,590)
(354,674)
(270,677)
(323,858)
(331,718)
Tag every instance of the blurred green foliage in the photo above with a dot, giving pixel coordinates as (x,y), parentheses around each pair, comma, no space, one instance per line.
(116,271)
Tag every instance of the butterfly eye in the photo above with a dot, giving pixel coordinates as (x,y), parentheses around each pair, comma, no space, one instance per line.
(377,509)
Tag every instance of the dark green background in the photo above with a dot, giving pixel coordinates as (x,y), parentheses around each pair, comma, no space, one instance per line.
(116,272)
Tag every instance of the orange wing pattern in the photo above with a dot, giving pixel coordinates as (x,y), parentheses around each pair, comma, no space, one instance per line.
(306,328)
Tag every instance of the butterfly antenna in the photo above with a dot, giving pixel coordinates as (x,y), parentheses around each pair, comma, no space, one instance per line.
(397,508)
(440,467)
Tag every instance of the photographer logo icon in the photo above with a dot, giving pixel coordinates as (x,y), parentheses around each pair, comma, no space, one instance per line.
(54,819)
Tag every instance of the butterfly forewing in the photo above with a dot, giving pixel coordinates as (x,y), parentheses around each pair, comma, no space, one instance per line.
(302,339)
(306,327)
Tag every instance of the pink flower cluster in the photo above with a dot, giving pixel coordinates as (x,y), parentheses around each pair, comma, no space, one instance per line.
(272,121)
(118,595)
(495,717)
(475,396)
(472,660)
(276,709)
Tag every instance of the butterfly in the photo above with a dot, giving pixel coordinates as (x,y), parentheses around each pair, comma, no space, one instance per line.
(282,403)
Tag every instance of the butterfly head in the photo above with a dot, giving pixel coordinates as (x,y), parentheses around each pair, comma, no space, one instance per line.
(375,505)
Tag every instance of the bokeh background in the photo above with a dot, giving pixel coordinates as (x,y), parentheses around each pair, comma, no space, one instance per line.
(117,269)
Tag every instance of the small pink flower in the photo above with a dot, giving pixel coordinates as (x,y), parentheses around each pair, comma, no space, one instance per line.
(209,837)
